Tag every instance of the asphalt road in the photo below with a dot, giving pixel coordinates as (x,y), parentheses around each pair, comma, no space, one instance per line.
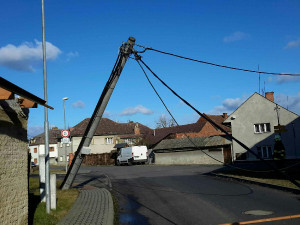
(185,195)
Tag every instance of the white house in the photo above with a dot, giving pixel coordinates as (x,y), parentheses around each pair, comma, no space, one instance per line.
(37,146)
(253,124)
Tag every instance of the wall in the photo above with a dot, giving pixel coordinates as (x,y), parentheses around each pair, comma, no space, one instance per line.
(13,164)
(188,157)
(98,144)
(256,110)
(41,151)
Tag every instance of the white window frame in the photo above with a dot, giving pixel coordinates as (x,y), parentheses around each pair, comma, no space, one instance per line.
(262,128)
(109,140)
(265,152)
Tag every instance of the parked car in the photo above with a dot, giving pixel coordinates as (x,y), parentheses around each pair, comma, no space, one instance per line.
(33,164)
(134,154)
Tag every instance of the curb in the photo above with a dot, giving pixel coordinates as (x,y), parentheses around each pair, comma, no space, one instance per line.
(292,190)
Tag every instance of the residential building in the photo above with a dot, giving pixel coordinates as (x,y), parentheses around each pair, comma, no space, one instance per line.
(108,134)
(254,123)
(56,148)
(197,143)
(194,150)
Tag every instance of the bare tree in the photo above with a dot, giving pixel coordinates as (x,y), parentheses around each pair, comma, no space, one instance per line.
(165,122)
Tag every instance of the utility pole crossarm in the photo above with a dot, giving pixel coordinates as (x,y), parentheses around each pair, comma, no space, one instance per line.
(125,50)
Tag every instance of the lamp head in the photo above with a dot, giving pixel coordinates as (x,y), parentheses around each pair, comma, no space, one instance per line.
(65,98)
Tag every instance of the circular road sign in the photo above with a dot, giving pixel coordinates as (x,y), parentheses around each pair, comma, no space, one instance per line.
(65,133)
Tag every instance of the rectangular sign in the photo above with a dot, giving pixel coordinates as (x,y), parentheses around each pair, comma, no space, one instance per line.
(66,141)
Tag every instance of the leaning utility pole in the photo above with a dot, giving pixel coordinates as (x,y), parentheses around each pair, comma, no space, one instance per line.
(83,148)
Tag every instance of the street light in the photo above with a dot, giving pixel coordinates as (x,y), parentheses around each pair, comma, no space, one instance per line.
(64,101)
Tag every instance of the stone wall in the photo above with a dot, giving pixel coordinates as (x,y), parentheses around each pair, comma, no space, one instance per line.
(13,163)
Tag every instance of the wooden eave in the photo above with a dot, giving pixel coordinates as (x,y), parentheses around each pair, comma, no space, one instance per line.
(27,100)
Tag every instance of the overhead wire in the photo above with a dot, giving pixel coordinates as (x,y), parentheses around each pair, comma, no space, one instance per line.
(217,65)
(216,125)
(162,101)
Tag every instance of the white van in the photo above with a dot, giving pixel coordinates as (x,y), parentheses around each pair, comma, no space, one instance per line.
(134,154)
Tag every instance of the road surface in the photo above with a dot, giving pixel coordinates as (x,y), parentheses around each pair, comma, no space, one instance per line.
(186,195)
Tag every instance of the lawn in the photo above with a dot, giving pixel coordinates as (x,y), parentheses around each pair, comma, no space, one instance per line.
(264,174)
(37,209)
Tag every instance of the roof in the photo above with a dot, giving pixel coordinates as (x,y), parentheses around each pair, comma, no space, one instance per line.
(25,94)
(185,143)
(228,120)
(121,145)
(161,133)
(109,127)
(54,136)
(218,119)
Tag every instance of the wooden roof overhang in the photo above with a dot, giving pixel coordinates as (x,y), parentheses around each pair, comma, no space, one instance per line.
(26,99)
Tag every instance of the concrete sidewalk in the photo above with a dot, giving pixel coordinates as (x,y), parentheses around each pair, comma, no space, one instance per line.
(92,207)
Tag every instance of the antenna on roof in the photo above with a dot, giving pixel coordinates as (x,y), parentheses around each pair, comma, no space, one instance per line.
(258,80)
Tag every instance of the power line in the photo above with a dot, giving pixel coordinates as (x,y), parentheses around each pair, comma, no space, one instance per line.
(218,65)
(162,101)
(219,127)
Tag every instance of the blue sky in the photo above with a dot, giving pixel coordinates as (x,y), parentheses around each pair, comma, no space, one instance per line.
(84,37)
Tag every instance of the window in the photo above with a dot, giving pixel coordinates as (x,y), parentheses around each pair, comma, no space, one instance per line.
(129,141)
(265,152)
(262,128)
(51,149)
(60,158)
(35,150)
(35,160)
(109,140)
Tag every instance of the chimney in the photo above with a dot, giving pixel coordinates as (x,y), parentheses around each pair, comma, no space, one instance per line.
(137,130)
(270,96)
(225,116)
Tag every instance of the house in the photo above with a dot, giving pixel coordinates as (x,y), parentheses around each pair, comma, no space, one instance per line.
(15,161)
(37,146)
(108,134)
(254,123)
(202,128)
(195,150)
(192,143)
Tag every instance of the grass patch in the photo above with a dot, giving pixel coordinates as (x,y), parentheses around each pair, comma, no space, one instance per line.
(116,209)
(278,182)
(264,174)
(37,209)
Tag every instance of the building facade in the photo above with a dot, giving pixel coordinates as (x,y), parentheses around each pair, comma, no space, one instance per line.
(254,124)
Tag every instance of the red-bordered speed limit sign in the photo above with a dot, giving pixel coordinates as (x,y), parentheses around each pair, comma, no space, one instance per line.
(65,133)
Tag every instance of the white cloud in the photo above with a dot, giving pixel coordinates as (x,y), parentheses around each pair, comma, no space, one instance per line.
(79,104)
(27,55)
(290,102)
(236,36)
(293,44)
(107,114)
(228,105)
(283,79)
(71,55)
(135,110)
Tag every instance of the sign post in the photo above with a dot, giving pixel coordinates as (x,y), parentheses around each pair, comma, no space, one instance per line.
(65,140)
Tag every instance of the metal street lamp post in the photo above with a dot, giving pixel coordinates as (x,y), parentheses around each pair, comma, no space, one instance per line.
(64,99)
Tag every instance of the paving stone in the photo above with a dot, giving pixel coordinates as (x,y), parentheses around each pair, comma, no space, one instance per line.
(92,207)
